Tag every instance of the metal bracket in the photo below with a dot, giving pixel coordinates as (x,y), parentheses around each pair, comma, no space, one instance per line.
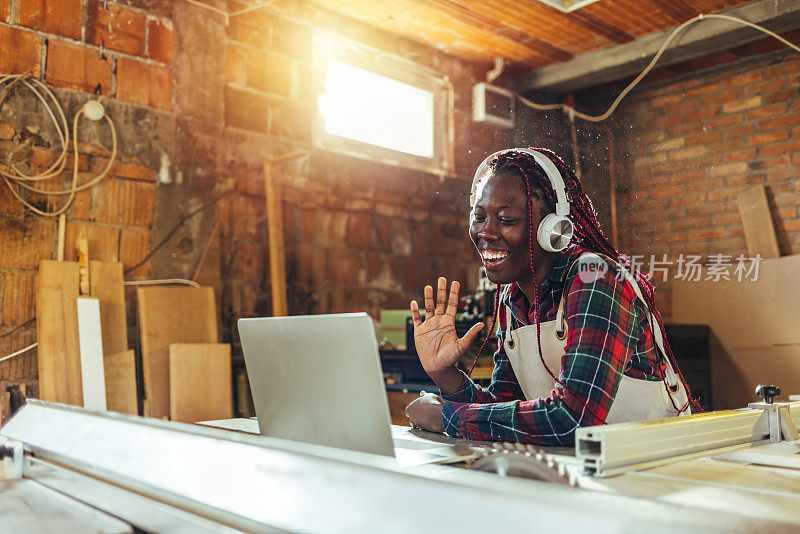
(781,426)
(11,458)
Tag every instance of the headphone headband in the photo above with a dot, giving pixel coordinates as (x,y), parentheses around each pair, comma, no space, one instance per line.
(552,172)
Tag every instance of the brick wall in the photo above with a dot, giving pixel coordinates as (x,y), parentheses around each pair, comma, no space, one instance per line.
(198,107)
(688,147)
(122,53)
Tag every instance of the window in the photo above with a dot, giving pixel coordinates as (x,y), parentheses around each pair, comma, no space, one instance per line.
(374,109)
(378,106)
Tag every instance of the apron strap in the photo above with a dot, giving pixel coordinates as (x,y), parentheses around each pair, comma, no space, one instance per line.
(658,336)
(509,319)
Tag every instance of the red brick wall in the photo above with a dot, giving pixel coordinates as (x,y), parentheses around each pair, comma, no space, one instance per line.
(123,53)
(687,148)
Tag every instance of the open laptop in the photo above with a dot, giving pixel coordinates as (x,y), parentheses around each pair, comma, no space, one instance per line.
(318,379)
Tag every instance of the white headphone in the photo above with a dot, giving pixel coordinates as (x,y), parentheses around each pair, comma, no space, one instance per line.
(556,230)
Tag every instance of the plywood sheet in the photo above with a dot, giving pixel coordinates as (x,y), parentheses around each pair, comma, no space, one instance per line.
(120,376)
(759,231)
(59,358)
(754,327)
(106,284)
(171,315)
(200,386)
(741,369)
(749,313)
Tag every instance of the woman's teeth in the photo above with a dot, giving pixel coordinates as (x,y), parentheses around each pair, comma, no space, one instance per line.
(493,256)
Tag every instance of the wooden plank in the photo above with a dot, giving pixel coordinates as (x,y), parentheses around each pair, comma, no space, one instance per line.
(759,231)
(738,370)
(171,315)
(600,27)
(120,377)
(90,339)
(200,386)
(106,284)
(749,321)
(277,253)
(477,20)
(59,358)
(83,264)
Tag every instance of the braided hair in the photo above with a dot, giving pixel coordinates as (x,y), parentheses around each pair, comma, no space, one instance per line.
(587,233)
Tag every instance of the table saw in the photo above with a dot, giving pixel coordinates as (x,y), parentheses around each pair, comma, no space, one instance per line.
(66,469)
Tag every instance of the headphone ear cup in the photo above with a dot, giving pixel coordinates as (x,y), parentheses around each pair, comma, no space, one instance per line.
(555,232)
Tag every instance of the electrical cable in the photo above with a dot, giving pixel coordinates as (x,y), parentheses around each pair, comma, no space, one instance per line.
(499,67)
(175,228)
(572,112)
(19,352)
(13,175)
(162,281)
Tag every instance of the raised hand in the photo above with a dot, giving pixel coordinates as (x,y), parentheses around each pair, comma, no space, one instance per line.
(438,345)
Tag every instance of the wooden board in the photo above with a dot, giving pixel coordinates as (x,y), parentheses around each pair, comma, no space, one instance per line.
(277,252)
(200,386)
(752,324)
(171,315)
(749,313)
(106,284)
(120,374)
(759,231)
(739,370)
(90,338)
(59,359)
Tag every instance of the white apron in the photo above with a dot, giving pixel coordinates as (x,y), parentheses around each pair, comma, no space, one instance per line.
(635,400)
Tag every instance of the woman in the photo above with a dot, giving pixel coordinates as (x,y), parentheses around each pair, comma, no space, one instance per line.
(579,338)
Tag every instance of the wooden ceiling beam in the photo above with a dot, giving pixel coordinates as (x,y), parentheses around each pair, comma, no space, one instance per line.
(620,61)
(678,10)
(600,27)
(485,23)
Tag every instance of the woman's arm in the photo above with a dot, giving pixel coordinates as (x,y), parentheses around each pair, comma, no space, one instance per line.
(603,330)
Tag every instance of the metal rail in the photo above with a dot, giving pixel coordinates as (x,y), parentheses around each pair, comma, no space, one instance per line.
(614,449)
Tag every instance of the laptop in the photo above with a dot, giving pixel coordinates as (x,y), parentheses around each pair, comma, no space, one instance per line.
(318,379)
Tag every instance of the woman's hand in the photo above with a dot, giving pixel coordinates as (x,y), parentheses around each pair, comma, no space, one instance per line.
(438,345)
(425,412)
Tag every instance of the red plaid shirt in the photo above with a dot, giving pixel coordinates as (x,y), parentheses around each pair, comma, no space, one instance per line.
(608,335)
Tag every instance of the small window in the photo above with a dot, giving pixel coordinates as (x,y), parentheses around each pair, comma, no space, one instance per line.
(374,109)
(378,106)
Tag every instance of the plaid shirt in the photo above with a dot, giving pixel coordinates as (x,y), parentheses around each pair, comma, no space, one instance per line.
(608,335)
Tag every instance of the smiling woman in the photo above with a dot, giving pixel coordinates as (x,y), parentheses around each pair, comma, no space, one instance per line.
(573,350)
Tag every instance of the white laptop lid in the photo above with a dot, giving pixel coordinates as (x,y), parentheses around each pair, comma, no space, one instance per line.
(318,379)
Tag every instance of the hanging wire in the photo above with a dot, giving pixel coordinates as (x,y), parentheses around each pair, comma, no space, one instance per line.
(16,177)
